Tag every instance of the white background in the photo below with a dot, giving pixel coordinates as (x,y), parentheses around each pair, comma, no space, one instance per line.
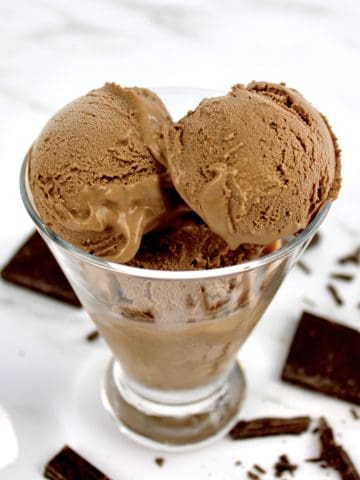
(54,51)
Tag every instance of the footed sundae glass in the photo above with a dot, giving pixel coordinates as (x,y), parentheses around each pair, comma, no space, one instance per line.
(174,380)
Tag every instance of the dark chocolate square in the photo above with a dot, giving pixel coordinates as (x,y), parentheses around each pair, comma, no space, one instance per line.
(69,465)
(325,357)
(33,266)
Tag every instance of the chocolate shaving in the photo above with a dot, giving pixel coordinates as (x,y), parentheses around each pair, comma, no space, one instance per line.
(34,267)
(346,277)
(253,476)
(353,257)
(69,465)
(94,335)
(259,468)
(263,427)
(303,267)
(334,293)
(334,455)
(325,357)
(284,465)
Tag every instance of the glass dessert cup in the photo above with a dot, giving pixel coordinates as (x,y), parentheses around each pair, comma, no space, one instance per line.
(174,381)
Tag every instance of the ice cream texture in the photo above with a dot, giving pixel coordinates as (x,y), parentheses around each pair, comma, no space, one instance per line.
(113,175)
(256,165)
(95,174)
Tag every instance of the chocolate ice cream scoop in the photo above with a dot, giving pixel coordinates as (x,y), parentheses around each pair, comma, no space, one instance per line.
(94,170)
(256,165)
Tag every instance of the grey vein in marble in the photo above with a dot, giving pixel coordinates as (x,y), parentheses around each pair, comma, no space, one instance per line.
(69,23)
(17,96)
(176,18)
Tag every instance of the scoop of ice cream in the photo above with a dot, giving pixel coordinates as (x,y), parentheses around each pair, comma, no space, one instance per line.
(94,171)
(256,164)
(189,244)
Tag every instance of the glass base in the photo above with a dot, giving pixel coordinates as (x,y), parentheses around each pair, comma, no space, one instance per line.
(173,420)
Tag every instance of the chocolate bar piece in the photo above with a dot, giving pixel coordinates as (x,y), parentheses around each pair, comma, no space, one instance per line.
(325,357)
(69,465)
(334,455)
(264,427)
(33,266)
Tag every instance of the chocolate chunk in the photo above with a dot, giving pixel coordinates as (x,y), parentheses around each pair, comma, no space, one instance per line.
(334,455)
(303,266)
(69,465)
(345,277)
(334,293)
(159,461)
(264,427)
(353,257)
(284,465)
(325,357)
(94,335)
(33,266)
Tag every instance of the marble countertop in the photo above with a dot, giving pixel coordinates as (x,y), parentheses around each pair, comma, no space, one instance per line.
(52,51)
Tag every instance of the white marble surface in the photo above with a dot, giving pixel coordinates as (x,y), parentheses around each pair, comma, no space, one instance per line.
(53,51)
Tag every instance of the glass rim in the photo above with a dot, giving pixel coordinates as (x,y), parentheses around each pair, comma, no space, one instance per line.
(166,274)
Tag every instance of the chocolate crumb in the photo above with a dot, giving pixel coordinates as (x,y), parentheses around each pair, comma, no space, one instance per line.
(315,430)
(353,257)
(238,463)
(354,414)
(259,468)
(253,476)
(333,455)
(284,465)
(159,461)
(334,293)
(346,277)
(303,267)
(94,335)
